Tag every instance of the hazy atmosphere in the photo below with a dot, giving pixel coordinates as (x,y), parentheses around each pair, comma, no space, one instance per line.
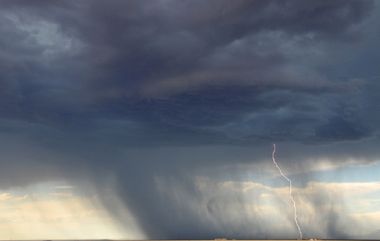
(156,119)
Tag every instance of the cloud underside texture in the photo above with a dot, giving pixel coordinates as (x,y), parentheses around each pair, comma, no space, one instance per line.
(137,91)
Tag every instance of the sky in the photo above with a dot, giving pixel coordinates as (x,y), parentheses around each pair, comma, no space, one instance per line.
(156,119)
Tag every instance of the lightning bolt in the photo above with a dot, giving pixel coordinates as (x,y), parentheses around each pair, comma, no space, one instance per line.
(290,191)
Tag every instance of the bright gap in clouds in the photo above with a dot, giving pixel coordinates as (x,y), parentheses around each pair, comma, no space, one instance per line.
(56,211)
(261,201)
(59,210)
(354,207)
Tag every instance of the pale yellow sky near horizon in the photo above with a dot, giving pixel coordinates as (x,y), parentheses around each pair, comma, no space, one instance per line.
(57,214)
(60,211)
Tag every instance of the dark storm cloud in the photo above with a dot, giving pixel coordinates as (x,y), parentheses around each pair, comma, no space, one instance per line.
(341,129)
(182,62)
(119,87)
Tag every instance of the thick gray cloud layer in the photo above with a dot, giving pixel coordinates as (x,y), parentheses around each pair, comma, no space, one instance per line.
(89,87)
